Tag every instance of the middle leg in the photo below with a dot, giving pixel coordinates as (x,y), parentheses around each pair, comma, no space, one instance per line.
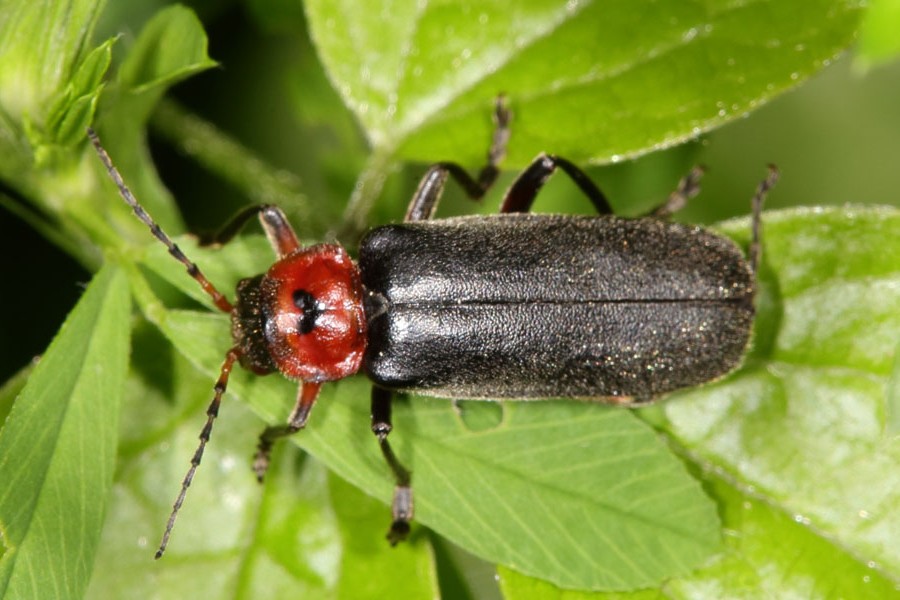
(522,193)
(431,188)
(402,505)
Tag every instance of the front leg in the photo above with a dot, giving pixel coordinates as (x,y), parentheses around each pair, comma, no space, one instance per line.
(278,230)
(306,397)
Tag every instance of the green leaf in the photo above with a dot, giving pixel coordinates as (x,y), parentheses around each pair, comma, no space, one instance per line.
(36,159)
(41,42)
(422,75)
(362,527)
(803,424)
(767,554)
(303,533)
(171,47)
(878,39)
(58,449)
(892,427)
(43,47)
(596,82)
(73,111)
(11,390)
(771,553)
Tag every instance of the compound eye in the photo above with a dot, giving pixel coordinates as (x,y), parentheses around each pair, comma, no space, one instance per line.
(310,310)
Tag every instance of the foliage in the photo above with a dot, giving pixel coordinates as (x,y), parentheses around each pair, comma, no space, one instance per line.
(719,491)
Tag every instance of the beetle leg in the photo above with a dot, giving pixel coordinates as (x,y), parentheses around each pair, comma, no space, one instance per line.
(211,413)
(431,187)
(688,187)
(306,397)
(402,506)
(521,194)
(231,228)
(756,208)
(279,231)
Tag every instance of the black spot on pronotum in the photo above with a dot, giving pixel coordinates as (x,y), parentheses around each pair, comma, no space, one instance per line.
(306,302)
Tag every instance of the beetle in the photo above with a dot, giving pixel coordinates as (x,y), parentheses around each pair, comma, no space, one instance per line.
(509,306)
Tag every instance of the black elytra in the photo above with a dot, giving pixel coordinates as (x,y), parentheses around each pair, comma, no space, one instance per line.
(475,307)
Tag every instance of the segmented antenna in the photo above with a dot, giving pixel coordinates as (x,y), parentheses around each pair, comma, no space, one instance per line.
(193,270)
(211,413)
(220,301)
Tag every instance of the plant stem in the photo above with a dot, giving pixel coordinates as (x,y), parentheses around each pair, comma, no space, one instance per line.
(232,161)
(367,189)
